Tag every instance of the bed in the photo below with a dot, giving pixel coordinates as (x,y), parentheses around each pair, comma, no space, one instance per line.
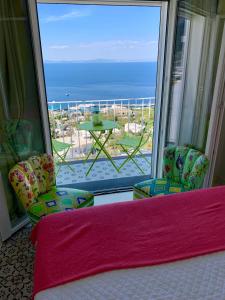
(170,247)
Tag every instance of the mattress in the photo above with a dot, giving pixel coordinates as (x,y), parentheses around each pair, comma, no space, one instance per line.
(200,278)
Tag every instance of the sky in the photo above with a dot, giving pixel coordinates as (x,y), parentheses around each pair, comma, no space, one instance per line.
(71,32)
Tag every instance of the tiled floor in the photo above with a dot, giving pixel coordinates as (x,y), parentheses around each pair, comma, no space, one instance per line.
(102,170)
(113,198)
(16,266)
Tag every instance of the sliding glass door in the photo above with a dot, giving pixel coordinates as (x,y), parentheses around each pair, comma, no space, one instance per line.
(109,56)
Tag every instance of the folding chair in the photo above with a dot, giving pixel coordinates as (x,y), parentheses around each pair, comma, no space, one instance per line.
(132,146)
(59,147)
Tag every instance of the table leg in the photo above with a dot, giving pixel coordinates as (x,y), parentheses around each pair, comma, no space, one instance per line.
(92,147)
(103,149)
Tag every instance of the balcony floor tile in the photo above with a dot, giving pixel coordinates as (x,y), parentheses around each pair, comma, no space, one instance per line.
(102,170)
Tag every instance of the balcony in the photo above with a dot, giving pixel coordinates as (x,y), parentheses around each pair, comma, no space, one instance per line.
(131,115)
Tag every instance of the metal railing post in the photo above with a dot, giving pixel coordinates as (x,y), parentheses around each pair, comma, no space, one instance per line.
(114,111)
(142,112)
(128,115)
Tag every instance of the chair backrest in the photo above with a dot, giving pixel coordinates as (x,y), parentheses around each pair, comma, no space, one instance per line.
(145,136)
(59,146)
(32,177)
(185,165)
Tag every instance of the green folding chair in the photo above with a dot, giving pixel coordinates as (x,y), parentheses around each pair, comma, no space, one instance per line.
(61,150)
(132,146)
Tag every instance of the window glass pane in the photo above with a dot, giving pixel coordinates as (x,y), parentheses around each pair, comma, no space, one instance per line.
(105,58)
(192,76)
(219,175)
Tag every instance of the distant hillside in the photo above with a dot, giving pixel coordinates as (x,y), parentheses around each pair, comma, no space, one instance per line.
(95,61)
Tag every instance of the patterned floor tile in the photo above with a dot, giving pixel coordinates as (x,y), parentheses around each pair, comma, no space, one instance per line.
(16,267)
(102,170)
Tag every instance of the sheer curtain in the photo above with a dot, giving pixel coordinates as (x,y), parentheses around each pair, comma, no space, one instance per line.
(20,118)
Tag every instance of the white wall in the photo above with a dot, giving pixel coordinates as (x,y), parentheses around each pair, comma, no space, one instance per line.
(219,173)
(192,79)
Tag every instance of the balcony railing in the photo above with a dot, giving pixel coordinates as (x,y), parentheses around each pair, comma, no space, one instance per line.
(130,114)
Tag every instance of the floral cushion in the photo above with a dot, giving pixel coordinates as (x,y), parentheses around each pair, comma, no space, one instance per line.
(159,186)
(174,161)
(35,162)
(48,170)
(179,163)
(198,172)
(27,170)
(168,155)
(191,158)
(22,187)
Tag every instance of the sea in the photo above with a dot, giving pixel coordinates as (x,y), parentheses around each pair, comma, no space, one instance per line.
(99,81)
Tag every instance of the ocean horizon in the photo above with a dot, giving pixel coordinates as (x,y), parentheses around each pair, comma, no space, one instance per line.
(85,81)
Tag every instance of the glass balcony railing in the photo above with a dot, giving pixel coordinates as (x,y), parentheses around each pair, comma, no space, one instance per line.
(130,114)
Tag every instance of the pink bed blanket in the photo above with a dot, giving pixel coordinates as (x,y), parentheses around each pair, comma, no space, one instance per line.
(76,244)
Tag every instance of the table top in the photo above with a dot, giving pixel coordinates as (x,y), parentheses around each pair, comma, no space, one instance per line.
(106,125)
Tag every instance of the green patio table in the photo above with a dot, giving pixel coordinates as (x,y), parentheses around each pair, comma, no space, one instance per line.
(107,126)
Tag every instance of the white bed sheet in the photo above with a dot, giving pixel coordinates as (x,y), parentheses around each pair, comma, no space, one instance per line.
(199,278)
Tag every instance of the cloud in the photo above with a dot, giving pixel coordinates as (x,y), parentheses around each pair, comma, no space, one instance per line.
(59,46)
(69,16)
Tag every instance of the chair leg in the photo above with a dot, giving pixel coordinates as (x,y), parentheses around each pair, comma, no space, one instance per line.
(57,169)
(144,157)
(130,157)
(68,165)
(62,157)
